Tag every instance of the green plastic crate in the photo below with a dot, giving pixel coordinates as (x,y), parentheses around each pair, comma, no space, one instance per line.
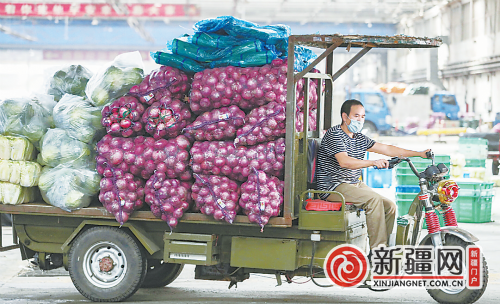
(472,141)
(471,162)
(471,185)
(422,163)
(470,209)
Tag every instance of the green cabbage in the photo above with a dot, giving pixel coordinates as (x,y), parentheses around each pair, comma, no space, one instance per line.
(68,188)
(28,117)
(58,147)
(71,80)
(78,117)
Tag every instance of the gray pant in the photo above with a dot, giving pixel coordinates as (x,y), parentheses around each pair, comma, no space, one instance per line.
(380,212)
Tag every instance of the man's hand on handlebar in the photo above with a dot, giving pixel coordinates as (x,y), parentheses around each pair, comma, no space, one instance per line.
(380,163)
(427,154)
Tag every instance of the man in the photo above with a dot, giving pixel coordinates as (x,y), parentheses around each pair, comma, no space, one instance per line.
(340,160)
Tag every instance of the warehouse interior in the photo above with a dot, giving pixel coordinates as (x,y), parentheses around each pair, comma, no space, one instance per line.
(36,37)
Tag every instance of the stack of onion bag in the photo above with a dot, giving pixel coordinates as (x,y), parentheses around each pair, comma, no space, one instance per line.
(18,174)
(144,147)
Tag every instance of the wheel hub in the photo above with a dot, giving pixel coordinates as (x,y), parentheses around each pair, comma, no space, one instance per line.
(106,264)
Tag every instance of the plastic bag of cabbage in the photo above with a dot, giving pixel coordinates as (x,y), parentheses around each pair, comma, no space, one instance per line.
(68,188)
(29,117)
(12,194)
(58,147)
(116,79)
(24,173)
(78,117)
(69,80)
(16,148)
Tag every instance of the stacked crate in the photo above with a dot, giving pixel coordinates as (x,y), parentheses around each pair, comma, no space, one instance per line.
(473,204)
(475,151)
(408,187)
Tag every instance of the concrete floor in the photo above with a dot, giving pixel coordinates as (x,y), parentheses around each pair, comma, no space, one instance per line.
(19,283)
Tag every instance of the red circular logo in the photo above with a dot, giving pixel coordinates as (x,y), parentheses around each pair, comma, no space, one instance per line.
(346,266)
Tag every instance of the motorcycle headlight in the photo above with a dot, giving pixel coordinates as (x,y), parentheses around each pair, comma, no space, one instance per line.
(447,191)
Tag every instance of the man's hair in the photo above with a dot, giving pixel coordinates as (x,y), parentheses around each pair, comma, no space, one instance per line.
(346,106)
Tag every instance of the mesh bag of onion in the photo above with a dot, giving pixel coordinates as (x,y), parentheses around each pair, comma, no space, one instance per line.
(166,118)
(218,124)
(247,88)
(217,196)
(141,156)
(262,124)
(121,193)
(223,158)
(122,117)
(163,82)
(168,198)
(261,197)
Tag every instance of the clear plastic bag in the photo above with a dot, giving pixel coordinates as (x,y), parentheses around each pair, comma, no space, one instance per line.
(12,194)
(58,147)
(68,188)
(69,80)
(28,117)
(115,80)
(78,117)
(16,148)
(24,173)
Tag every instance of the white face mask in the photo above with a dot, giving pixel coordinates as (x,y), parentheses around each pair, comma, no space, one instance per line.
(355,126)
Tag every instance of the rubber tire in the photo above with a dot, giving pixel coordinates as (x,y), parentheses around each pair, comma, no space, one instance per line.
(136,269)
(161,274)
(494,167)
(466,296)
(370,128)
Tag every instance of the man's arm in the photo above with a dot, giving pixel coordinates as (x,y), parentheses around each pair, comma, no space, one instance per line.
(393,151)
(345,161)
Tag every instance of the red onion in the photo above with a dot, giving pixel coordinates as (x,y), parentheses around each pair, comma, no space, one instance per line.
(122,117)
(262,124)
(166,118)
(218,124)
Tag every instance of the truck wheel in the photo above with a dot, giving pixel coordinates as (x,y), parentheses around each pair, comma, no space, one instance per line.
(106,264)
(494,167)
(161,274)
(369,127)
(462,295)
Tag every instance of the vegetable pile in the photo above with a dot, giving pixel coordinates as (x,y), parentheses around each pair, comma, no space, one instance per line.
(217,196)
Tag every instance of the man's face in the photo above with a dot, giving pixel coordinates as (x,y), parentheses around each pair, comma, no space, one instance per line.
(357,113)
